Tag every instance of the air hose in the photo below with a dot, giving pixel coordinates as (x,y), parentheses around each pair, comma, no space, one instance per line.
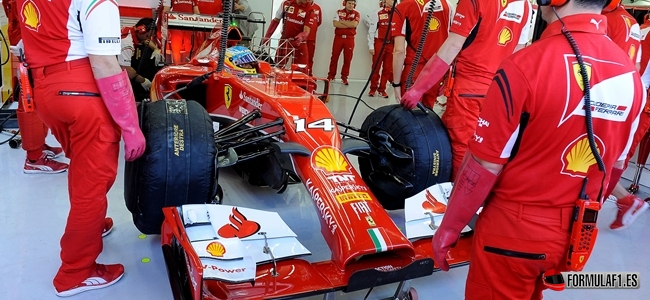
(223,44)
(418,53)
(375,64)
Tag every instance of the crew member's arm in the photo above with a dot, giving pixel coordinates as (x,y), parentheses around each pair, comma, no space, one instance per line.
(398,33)
(279,15)
(371,21)
(526,31)
(399,55)
(439,64)
(112,81)
(195,7)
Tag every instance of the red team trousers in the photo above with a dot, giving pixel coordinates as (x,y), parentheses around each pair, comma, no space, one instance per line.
(311,50)
(91,140)
(385,68)
(461,116)
(525,241)
(32,132)
(345,44)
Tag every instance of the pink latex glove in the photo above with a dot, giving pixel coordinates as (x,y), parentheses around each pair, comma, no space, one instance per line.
(119,100)
(430,75)
(269,32)
(301,37)
(472,186)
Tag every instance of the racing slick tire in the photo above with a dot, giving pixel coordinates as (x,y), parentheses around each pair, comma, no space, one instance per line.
(425,135)
(178,166)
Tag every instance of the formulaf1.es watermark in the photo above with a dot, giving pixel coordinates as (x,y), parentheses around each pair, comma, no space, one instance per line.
(596,280)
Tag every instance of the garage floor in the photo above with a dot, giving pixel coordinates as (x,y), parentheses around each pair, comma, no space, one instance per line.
(34,209)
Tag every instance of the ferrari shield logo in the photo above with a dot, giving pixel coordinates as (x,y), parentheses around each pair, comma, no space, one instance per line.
(578,76)
(504,3)
(582,258)
(227,95)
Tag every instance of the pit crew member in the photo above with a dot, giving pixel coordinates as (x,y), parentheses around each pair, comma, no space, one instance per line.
(409,18)
(182,40)
(32,130)
(526,160)
(297,17)
(345,23)
(481,35)
(141,70)
(379,25)
(311,40)
(83,95)
(623,30)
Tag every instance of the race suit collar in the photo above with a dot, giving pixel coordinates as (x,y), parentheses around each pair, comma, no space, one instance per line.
(589,23)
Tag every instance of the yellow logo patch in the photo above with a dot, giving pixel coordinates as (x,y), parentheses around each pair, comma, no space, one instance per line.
(330,160)
(31,15)
(216,249)
(580,158)
(505,36)
(227,95)
(353,196)
(434,25)
(578,75)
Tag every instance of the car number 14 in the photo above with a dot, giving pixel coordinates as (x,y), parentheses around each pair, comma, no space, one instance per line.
(302,126)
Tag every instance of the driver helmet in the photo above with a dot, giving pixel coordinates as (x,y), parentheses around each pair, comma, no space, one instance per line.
(241,60)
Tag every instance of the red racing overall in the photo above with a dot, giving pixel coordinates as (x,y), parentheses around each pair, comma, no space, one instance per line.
(295,17)
(311,40)
(409,19)
(66,99)
(32,129)
(343,42)
(623,30)
(523,230)
(384,68)
(487,44)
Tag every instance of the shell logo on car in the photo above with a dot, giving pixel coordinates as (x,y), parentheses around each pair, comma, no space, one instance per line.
(31,16)
(330,160)
(216,249)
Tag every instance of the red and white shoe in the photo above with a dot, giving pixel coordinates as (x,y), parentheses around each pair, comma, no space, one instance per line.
(52,152)
(383,94)
(627,213)
(103,276)
(44,165)
(108,226)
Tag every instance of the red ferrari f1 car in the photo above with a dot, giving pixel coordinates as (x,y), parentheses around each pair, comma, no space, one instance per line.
(271,125)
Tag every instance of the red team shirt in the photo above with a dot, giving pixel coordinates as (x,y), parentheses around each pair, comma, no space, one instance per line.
(623,29)
(210,7)
(318,19)
(344,15)
(409,19)
(12,18)
(53,33)
(495,27)
(184,5)
(296,17)
(554,156)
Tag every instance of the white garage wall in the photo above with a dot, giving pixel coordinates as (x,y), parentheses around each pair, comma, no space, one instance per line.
(361,60)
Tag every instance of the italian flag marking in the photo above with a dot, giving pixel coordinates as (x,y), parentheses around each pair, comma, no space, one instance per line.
(378,239)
